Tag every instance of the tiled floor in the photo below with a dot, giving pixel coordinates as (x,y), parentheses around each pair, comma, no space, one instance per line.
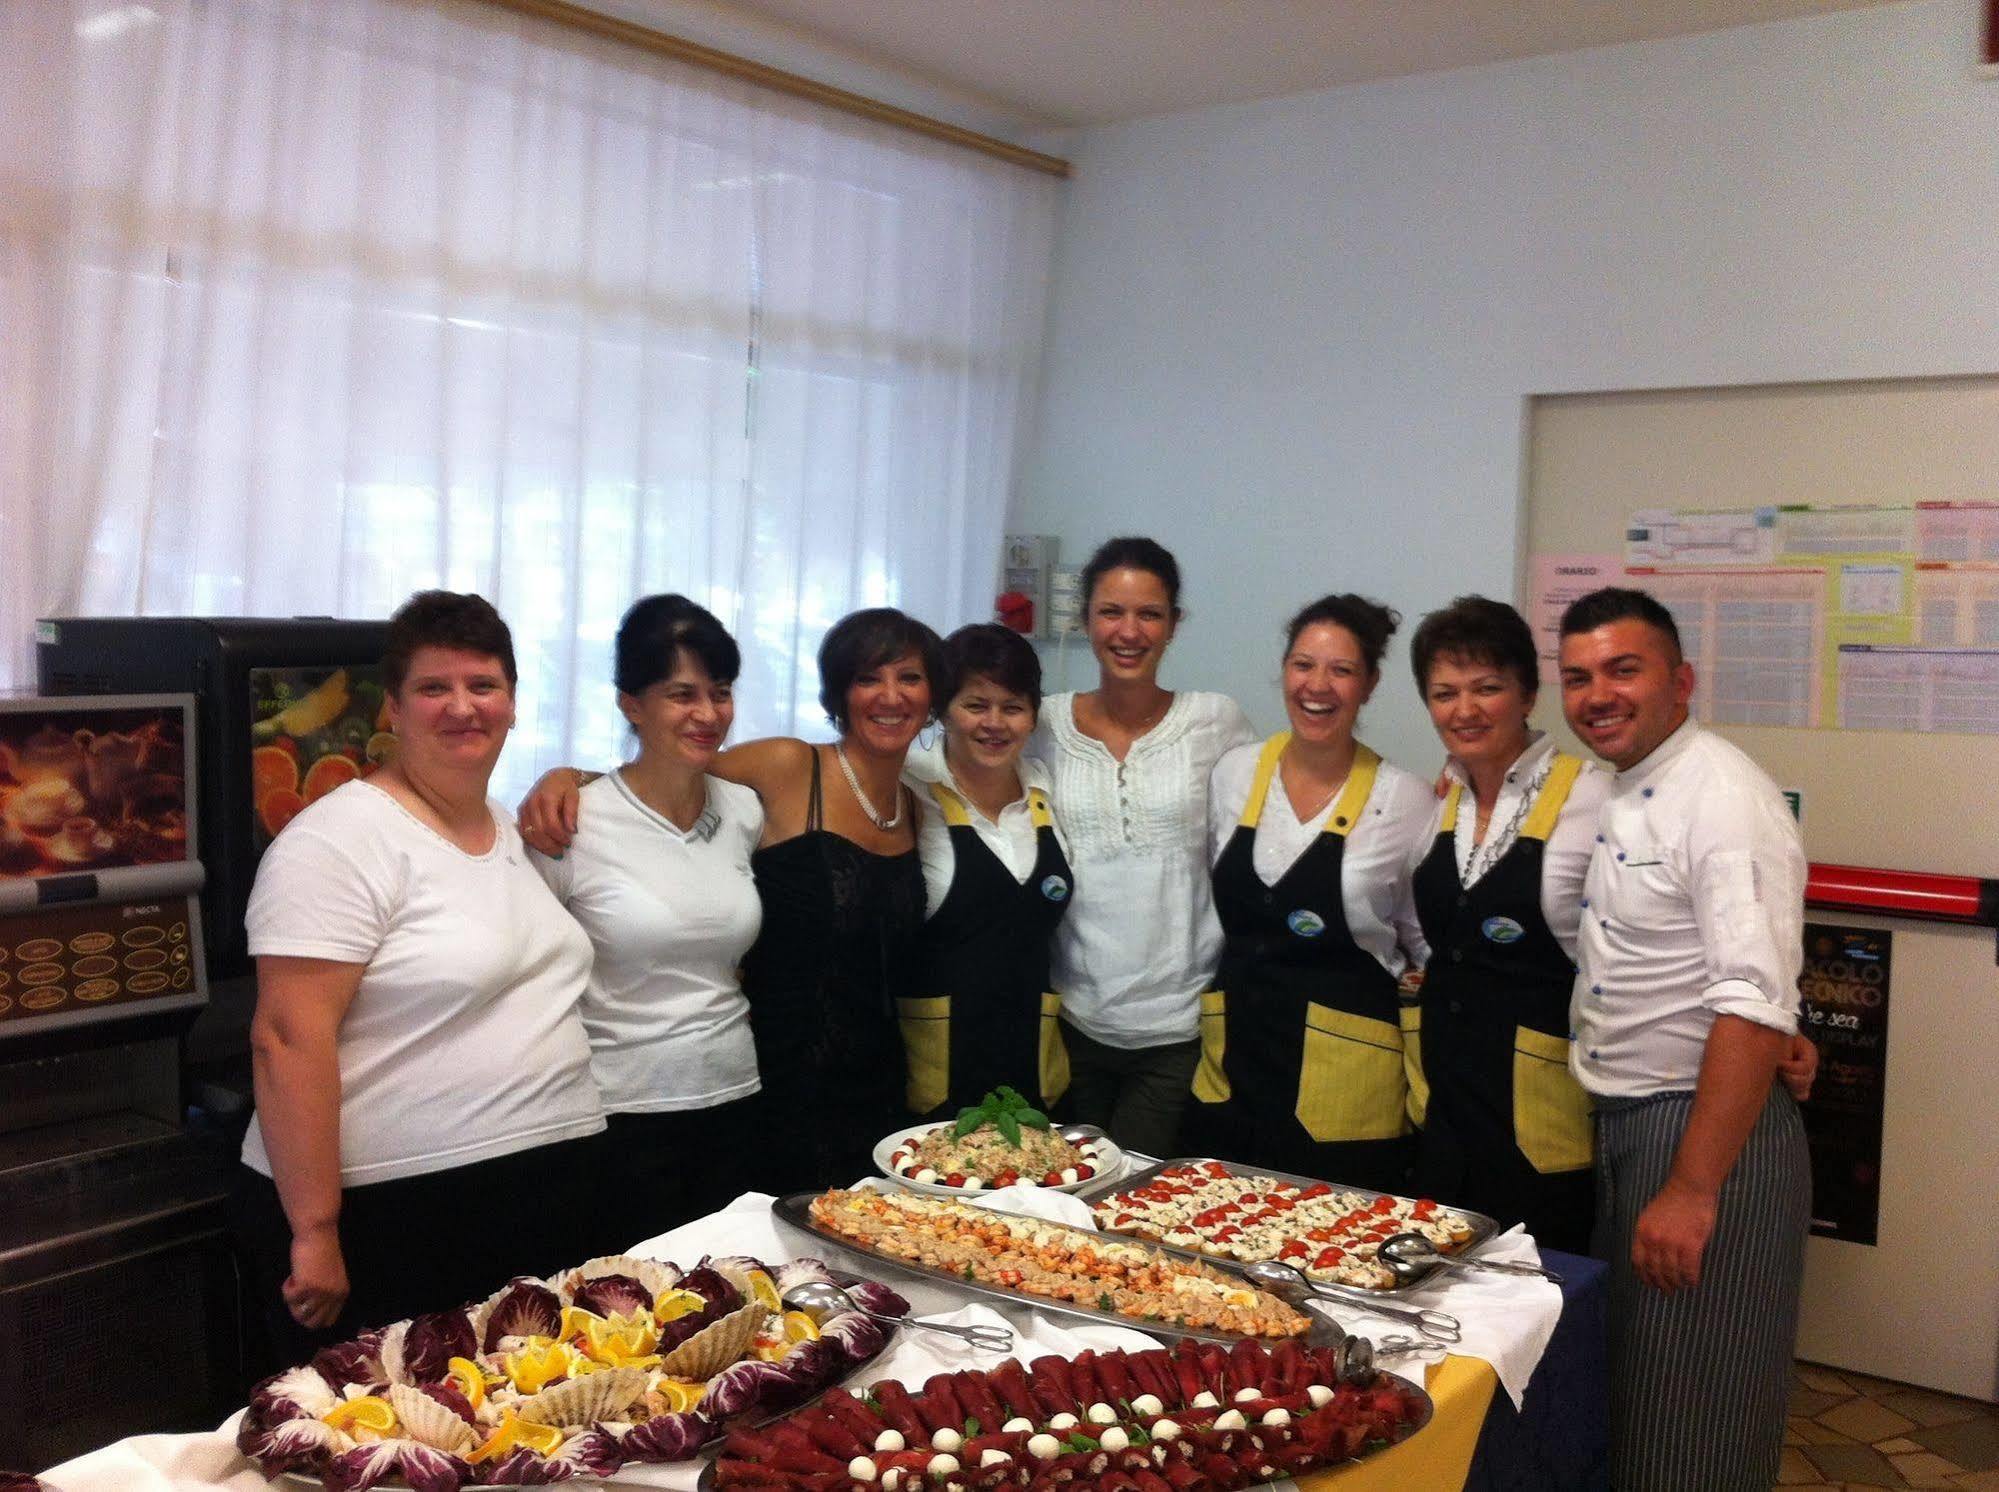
(1850,1431)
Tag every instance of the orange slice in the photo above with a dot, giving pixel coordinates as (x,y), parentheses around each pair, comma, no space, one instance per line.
(576,1322)
(763,1290)
(365,1413)
(534,1368)
(499,1442)
(799,1327)
(541,1439)
(681,1396)
(671,1305)
(471,1382)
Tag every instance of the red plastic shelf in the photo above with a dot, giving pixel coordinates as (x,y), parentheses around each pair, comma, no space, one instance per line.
(1904,893)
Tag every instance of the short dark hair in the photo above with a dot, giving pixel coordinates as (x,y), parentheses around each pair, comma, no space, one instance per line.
(1371,623)
(655,632)
(445,619)
(1616,603)
(867,639)
(986,650)
(1477,629)
(1133,552)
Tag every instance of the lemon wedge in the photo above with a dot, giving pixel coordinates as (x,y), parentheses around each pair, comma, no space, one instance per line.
(365,1413)
(499,1442)
(470,1380)
(799,1327)
(541,1439)
(577,1322)
(671,1305)
(622,1342)
(763,1290)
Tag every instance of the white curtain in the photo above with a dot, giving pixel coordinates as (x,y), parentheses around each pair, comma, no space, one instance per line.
(308,304)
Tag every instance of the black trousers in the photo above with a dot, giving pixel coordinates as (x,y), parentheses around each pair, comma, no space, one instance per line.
(1135,1094)
(423,1243)
(657,1171)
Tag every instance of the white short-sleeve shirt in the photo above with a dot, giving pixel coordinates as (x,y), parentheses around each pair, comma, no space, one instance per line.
(1375,886)
(671,913)
(1693,908)
(463,1041)
(1140,941)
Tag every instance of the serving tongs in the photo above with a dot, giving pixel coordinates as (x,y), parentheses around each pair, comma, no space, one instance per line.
(1291,1284)
(820,1299)
(1411,1255)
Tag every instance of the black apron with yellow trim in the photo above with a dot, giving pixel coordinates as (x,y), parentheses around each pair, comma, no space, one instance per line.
(984,1016)
(1301,1054)
(1506,1127)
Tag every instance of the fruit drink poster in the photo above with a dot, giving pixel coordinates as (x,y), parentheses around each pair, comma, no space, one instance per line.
(312,729)
(1845,1011)
(91,787)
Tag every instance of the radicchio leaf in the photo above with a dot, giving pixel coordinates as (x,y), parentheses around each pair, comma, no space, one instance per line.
(358,1361)
(20,1481)
(428,1469)
(452,1397)
(296,1393)
(362,1467)
(295,1444)
(872,1295)
(811,1364)
(711,1287)
(672,1437)
(595,1452)
(802,1272)
(858,1337)
(613,1295)
(526,1308)
(521,1467)
(433,1340)
(745,1386)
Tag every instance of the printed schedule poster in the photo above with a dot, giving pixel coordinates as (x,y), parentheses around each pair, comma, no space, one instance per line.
(1845,988)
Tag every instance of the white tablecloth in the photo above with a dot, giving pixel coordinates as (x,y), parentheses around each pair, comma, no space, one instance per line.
(1506,1321)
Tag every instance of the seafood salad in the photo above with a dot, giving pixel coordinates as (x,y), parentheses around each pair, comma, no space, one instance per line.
(1330,1234)
(1057,1262)
(1197,1418)
(1001,1141)
(619,1360)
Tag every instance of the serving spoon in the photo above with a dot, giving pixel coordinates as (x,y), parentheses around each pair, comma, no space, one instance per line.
(821,1298)
(1409,1254)
(1290,1283)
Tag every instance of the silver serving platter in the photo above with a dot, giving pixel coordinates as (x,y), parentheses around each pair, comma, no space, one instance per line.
(1426,1411)
(794,1212)
(1483,1227)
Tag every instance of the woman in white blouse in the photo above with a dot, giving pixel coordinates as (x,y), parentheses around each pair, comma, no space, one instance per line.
(997,884)
(1506,1127)
(422,1076)
(1301,1047)
(659,875)
(1128,763)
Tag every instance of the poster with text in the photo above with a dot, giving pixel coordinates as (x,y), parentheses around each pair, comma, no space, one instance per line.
(1845,1011)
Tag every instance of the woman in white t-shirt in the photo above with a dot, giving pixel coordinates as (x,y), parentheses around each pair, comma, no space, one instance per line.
(1301,1046)
(659,875)
(423,1082)
(1129,764)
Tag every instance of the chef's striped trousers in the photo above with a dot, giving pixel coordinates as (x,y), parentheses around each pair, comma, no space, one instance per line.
(1700,1379)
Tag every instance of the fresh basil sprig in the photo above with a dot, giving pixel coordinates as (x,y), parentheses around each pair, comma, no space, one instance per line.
(1005,1110)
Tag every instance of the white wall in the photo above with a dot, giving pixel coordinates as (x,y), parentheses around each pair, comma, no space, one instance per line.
(1292,339)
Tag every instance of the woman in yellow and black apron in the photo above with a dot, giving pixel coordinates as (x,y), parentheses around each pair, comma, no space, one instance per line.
(1301,1050)
(1506,1127)
(997,882)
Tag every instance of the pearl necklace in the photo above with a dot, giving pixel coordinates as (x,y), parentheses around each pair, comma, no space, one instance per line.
(867,806)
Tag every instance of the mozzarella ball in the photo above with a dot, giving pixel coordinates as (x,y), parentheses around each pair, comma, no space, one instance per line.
(890,1440)
(861,1469)
(1320,1395)
(1147,1404)
(947,1439)
(1231,1419)
(1044,1447)
(1100,1414)
(1017,1426)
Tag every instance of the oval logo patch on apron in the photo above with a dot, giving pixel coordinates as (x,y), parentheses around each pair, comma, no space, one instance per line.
(1502,930)
(1306,923)
(1055,888)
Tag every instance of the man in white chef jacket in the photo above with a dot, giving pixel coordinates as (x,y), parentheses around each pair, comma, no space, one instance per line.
(1686,1001)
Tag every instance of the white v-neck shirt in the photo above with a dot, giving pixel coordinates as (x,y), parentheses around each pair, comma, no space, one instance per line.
(671,912)
(463,1041)
(1375,887)
(1140,942)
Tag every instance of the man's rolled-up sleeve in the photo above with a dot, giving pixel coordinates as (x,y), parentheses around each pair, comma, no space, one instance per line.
(1747,874)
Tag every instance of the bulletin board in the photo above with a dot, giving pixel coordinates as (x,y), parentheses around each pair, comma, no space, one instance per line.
(1799,534)
(1831,552)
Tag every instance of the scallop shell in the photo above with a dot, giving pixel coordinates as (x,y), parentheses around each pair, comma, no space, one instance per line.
(392,1353)
(586,1400)
(425,1419)
(651,1273)
(717,1344)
